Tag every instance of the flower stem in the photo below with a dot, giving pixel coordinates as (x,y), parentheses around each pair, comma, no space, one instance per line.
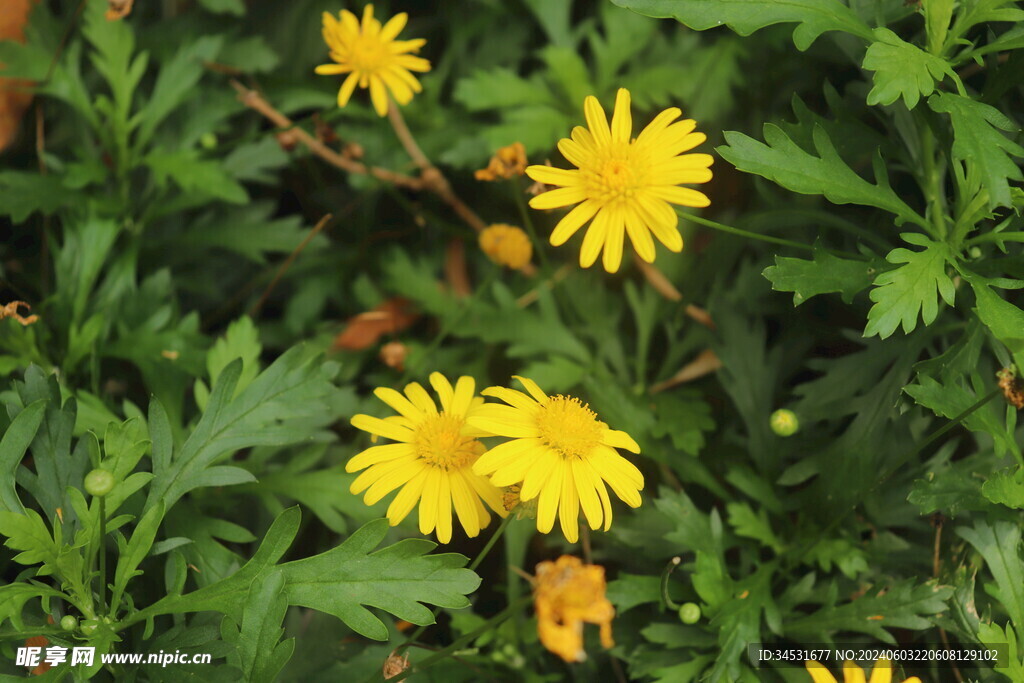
(103,555)
(472,567)
(722,227)
(667,572)
(466,639)
(524,213)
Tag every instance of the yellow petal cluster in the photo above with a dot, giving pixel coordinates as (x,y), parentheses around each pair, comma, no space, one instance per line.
(431,461)
(624,185)
(372,58)
(560,453)
(506,245)
(567,594)
(507,162)
(880,673)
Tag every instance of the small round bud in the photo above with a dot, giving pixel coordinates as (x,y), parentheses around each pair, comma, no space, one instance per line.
(89,627)
(784,422)
(68,623)
(208,140)
(689,613)
(99,483)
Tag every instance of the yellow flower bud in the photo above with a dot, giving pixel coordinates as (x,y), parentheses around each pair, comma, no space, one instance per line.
(506,245)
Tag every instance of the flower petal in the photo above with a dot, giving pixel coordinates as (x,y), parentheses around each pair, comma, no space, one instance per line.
(378,454)
(613,241)
(443,388)
(465,509)
(681,195)
(593,241)
(400,403)
(532,387)
(617,439)
(569,505)
(597,122)
(393,27)
(550,175)
(407,498)
(640,236)
(555,199)
(573,221)
(587,491)
(444,509)
(465,387)
(622,119)
(378,95)
(399,477)
(544,463)
(420,398)
(504,421)
(428,504)
(377,426)
(347,88)
(547,506)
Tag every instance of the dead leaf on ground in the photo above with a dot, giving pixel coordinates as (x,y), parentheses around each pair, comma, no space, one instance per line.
(362,331)
(14,98)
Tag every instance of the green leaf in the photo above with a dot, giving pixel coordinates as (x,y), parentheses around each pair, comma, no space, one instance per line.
(260,653)
(22,194)
(194,175)
(289,402)
(901,70)
(824,274)
(999,543)
(784,162)
(1004,320)
(30,534)
(745,522)
(813,17)
(16,440)
(629,590)
(950,399)
(952,490)
(902,294)
(396,579)
(135,552)
(236,7)
(500,88)
(902,605)
(991,635)
(848,558)
(1006,488)
(978,142)
(685,417)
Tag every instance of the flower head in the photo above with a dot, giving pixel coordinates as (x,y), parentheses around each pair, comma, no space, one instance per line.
(625,184)
(432,461)
(561,453)
(880,673)
(566,594)
(372,58)
(506,163)
(506,245)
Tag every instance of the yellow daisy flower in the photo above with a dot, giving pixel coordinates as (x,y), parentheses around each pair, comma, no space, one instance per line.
(880,673)
(626,185)
(432,461)
(561,453)
(372,57)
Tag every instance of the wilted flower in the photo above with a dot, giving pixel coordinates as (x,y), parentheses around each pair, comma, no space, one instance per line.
(372,58)
(627,185)
(507,162)
(567,594)
(506,245)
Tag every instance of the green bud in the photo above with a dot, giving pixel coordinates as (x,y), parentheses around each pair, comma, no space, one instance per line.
(689,613)
(208,140)
(99,483)
(68,623)
(89,627)
(784,422)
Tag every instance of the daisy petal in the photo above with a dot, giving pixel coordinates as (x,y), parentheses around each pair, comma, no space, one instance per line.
(465,510)
(444,509)
(550,175)
(613,241)
(556,199)
(347,88)
(428,505)
(393,27)
(420,398)
(394,480)
(617,439)
(532,387)
(547,506)
(378,95)
(819,673)
(444,390)
(407,498)
(378,454)
(593,241)
(681,195)
(400,403)
(640,236)
(377,426)
(597,122)
(569,507)
(573,221)
(622,119)
(465,387)
(587,491)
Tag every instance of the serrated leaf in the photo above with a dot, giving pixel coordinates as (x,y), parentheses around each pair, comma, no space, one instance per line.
(240,341)
(22,194)
(786,163)
(992,635)
(1004,320)
(396,579)
(901,70)
(900,295)
(260,653)
(1006,488)
(29,534)
(951,490)
(500,88)
(749,524)
(195,176)
(135,552)
(903,605)
(813,17)
(951,399)
(629,590)
(16,440)
(824,274)
(1000,544)
(978,142)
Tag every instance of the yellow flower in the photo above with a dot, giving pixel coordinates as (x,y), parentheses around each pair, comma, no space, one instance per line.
(627,185)
(567,593)
(372,58)
(507,162)
(506,245)
(433,460)
(881,673)
(560,452)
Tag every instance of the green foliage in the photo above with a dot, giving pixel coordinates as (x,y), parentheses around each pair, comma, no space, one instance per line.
(901,70)
(912,289)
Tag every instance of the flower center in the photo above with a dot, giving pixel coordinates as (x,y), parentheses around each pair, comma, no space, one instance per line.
(368,54)
(440,442)
(568,426)
(615,175)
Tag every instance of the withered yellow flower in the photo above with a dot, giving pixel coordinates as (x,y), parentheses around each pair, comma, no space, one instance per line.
(432,461)
(506,245)
(567,594)
(625,184)
(880,673)
(561,454)
(507,162)
(372,58)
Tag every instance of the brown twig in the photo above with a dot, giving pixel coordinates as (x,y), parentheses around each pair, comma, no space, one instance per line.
(661,284)
(433,177)
(255,101)
(534,294)
(937,522)
(706,362)
(254,311)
